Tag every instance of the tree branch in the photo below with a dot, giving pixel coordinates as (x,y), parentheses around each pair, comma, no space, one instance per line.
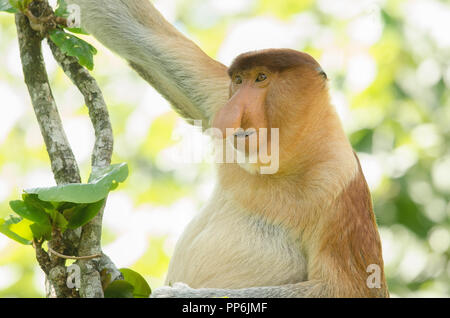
(64,166)
(90,242)
(63,163)
(93,97)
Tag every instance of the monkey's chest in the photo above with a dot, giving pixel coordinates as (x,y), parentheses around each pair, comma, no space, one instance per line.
(232,249)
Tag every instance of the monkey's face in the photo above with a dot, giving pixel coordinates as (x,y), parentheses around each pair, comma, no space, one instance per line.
(244,120)
(275,103)
(263,102)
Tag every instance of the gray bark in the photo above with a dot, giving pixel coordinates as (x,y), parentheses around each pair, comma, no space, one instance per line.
(90,242)
(65,169)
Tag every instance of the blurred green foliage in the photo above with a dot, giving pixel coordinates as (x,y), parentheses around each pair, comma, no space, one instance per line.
(389,77)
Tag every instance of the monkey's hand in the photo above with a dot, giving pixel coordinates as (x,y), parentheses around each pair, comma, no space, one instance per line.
(181,290)
(178,290)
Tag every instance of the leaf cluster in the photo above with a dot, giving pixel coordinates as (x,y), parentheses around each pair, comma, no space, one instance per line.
(67,42)
(63,207)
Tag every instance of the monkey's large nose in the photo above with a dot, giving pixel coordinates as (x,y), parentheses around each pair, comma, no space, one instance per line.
(228,117)
(245,110)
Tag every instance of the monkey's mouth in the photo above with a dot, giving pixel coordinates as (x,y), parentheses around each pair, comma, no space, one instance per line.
(244,134)
(245,141)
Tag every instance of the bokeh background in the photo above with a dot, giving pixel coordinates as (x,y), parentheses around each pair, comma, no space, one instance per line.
(389,69)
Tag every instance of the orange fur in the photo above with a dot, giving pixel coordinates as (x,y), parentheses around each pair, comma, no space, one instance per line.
(349,243)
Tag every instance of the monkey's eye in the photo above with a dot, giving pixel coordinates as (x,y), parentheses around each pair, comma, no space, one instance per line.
(261,77)
(238,80)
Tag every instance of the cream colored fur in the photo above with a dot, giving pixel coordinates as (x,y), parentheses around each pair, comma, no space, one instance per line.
(195,84)
(226,246)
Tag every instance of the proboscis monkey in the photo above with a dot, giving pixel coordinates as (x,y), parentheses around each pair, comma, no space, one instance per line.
(306,230)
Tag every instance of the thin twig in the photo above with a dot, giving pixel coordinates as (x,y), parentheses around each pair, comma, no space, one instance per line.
(72,257)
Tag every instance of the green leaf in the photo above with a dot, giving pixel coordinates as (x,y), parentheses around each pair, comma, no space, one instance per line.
(119,289)
(75,208)
(29,212)
(15,228)
(41,231)
(82,214)
(33,201)
(6,6)
(78,31)
(64,206)
(140,285)
(16,4)
(118,172)
(74,46)
(97,189)
(61,10)
(19,5)
(60,221)
(12,220)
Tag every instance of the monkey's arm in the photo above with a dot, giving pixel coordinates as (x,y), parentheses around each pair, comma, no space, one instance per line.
(195,84)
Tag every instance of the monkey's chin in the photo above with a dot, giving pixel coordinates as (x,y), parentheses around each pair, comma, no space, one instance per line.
(251,168)
(245,160)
